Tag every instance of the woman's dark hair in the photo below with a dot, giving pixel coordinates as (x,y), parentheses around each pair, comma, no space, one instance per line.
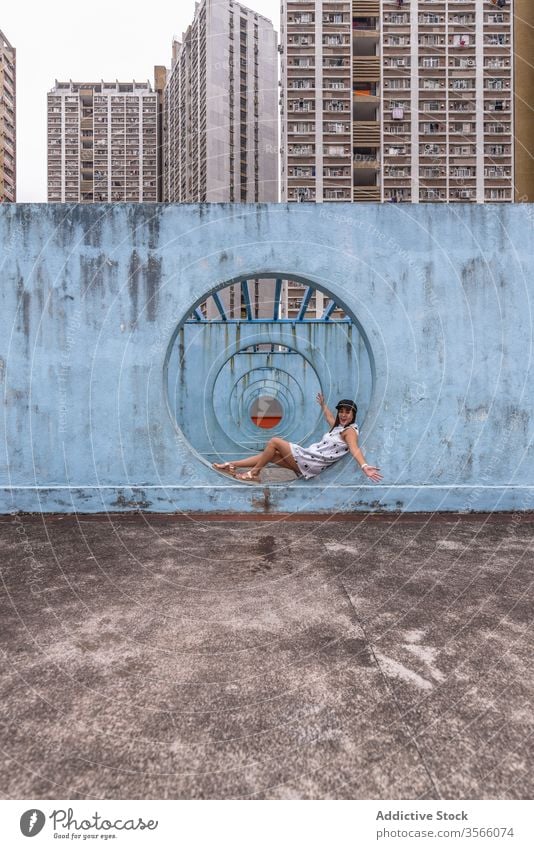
(336,423)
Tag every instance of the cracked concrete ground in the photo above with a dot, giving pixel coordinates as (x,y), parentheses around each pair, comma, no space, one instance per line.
(179,657)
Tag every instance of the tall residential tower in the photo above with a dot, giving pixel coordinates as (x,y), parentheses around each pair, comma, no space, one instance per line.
(8,135)
(102,142)
(398,100)
(221,108)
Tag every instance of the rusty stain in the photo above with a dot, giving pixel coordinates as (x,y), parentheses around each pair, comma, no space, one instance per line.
(139,504)
(264,502)
(152,279)
(133,284)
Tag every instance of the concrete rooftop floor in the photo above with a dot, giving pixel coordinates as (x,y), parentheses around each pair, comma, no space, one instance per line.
(381,657)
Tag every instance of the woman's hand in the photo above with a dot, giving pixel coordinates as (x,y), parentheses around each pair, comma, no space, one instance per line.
(372,472)
(320,399)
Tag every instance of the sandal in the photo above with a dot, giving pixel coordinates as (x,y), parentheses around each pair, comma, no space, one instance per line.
(225,468)
(248,477)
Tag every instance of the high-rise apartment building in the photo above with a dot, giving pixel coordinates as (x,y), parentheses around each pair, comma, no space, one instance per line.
(221,108)
(397,100)
(220,118)
(523,100)
(316,100)
(102,142)
(8,137)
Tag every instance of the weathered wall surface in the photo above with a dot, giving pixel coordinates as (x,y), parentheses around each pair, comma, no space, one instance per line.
(91,297)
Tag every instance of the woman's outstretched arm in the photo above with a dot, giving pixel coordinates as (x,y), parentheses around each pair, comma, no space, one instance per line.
(351,438)
(329,416)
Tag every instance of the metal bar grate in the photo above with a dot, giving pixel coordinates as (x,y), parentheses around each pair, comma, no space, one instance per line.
(246,298)
(219,306)
(305,301)
(329,310)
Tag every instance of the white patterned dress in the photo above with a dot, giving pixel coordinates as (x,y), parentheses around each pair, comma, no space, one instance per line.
(313,460)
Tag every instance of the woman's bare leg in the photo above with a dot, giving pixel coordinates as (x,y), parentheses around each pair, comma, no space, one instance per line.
(276,451)
(247,462)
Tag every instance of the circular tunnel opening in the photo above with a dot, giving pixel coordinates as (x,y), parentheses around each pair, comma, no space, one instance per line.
(266,412)
(249,359)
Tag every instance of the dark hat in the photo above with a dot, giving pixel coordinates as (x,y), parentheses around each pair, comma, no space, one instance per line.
(347,403)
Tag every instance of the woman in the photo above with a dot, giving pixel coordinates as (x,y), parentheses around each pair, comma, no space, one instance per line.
(308,462)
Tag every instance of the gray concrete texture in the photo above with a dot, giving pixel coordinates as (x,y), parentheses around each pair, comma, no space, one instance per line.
(291,658)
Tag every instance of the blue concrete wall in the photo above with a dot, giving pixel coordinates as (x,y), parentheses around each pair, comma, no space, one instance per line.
(92,296)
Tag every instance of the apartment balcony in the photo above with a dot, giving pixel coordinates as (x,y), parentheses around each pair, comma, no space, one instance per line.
(333,136)
(9,91)
(394,181)
(332,160)
(366,68)
(461,113)
(499,83)
(397,46)
(332,112)
(431,105)
(397,64)
(86,155)
(397,156)
(504,156)
(336,178)
(490,178)
(500,21)
(497,130)
(366,193)
(302,90)
(490,107)
(497,66)
(8,146)
(429,25)
(467,182)
(366,133)
(300,63)
(461,39)
(336,25)
(295,110)
(7,114)
(365,8)
(336,63)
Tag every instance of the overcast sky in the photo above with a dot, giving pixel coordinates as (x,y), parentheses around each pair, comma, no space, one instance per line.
(98,39)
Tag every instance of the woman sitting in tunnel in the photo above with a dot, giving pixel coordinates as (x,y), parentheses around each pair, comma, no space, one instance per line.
(309,462)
